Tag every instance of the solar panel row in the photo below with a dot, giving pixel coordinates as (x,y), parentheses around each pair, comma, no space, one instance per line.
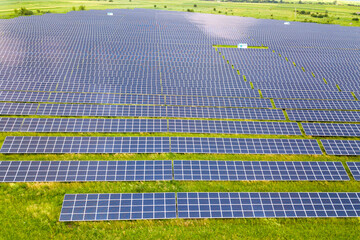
(131,206)
(138,111)
(121,206)
(145,125)
(77,171)
(18,144)
(251,170)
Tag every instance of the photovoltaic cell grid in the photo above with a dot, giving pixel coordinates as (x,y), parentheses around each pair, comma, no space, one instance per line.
(85,145)
(251,170)
(323,116)
(268,205)
(341,147)
(92,125)
(244,146)
(354,169)
(145,125)
(118,206)
(316,104)
(234,127)
(20,144)
(76,171)
(331,129)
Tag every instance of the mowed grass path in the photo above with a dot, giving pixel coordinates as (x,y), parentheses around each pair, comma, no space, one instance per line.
(338,14)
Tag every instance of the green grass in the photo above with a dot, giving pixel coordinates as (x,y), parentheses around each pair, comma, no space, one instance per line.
(31,210)
(338,14)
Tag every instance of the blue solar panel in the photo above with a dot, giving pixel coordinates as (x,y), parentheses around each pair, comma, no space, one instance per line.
(217,101)
(101,110)
(18,108)
(331,129)
(244,146)
(250,170)
(225,113)
(85,145)
(92,125)
(268,205)
(81,171)
(118,206)
(316,104)
(234,127)
(307,94)
(326,116)
(354,169)
(341,147)
(10,124)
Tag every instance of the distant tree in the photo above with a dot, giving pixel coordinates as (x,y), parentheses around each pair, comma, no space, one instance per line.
(81,8)
(165,6)
(195,5)
(355,19)
(73,8)
(110,0)
(214,9)
(154,6)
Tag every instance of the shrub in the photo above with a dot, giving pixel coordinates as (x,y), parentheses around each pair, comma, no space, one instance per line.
(154,6)
(23,12)
(38,11)
(110,0)
(165,6)
(355,19)
(195,5)
(73,8)
(81,8)
(190,10)
(214,9)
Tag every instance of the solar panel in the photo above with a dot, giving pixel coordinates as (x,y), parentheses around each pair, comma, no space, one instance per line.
(218,101)
(331,129)
(251,170)
(244,146)
(101,110)
(307,94)
(341,147)
(234,127)
(268,204)
(326,116)
(354,169)
(18,108)
(225,113)
(19,144)
(316,104)
(76,171)
(118,206)
(10,124)
(93,125)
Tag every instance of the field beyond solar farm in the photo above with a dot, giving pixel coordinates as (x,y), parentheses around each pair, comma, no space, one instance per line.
(342,13)
(152,85)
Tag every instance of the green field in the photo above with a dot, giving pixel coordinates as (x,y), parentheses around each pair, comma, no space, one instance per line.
(31,210)
(341,14)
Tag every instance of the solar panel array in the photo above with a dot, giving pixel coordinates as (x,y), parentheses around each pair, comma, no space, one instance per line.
(82,171)
(25,144)
(331,129)
(86,145)
(354,169)
(76,171)
(118,206)
(163,64)
(265,170)
(244,146)
(268,205)
(341,147)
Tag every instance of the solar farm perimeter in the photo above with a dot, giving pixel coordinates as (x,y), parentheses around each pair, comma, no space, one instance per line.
(160,111)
